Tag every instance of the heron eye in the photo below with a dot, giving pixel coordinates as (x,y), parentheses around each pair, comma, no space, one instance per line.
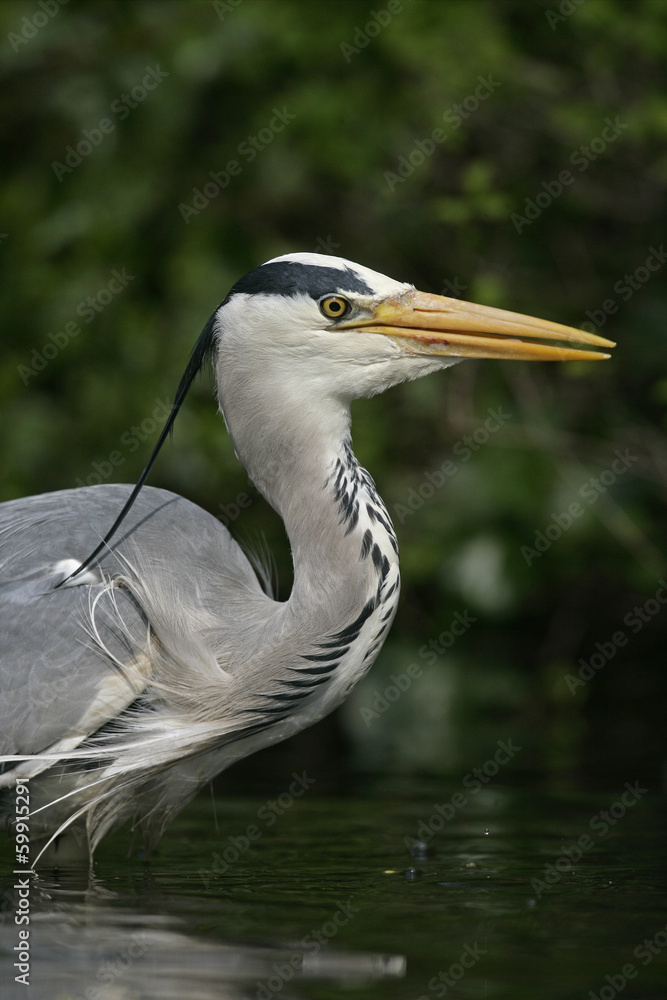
(334,306)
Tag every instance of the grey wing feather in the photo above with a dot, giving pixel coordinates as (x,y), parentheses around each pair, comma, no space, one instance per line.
(58,680)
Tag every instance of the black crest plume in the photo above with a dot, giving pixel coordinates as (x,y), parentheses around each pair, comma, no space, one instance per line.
(200,354)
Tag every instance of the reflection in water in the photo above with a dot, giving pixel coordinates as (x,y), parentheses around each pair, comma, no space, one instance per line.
(505,892)
(85,945)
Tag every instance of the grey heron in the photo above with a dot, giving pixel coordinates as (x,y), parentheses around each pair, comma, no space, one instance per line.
(132,678)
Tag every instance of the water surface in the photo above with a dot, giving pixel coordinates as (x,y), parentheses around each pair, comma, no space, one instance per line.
(510,892)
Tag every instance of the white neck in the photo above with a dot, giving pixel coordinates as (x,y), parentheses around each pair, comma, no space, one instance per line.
(299,457)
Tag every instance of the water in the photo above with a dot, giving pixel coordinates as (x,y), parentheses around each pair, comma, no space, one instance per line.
(514,892)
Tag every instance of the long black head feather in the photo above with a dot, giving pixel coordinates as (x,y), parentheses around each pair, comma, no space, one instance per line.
(201,352)
(278,277)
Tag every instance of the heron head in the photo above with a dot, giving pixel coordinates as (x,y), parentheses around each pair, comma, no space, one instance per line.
(344,328)
(306,327)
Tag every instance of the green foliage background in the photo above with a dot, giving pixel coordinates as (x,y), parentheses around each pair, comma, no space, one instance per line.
(366,89)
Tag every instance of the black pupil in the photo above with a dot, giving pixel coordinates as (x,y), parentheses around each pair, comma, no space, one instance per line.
(335,306)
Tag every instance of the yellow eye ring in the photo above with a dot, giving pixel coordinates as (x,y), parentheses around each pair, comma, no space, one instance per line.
(334,306)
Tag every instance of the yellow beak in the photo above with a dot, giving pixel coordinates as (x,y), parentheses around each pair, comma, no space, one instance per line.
(435,325)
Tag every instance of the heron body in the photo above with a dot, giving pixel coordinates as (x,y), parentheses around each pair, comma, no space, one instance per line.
(127,686)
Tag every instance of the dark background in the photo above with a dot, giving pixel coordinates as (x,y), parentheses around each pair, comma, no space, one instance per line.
(520,92)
